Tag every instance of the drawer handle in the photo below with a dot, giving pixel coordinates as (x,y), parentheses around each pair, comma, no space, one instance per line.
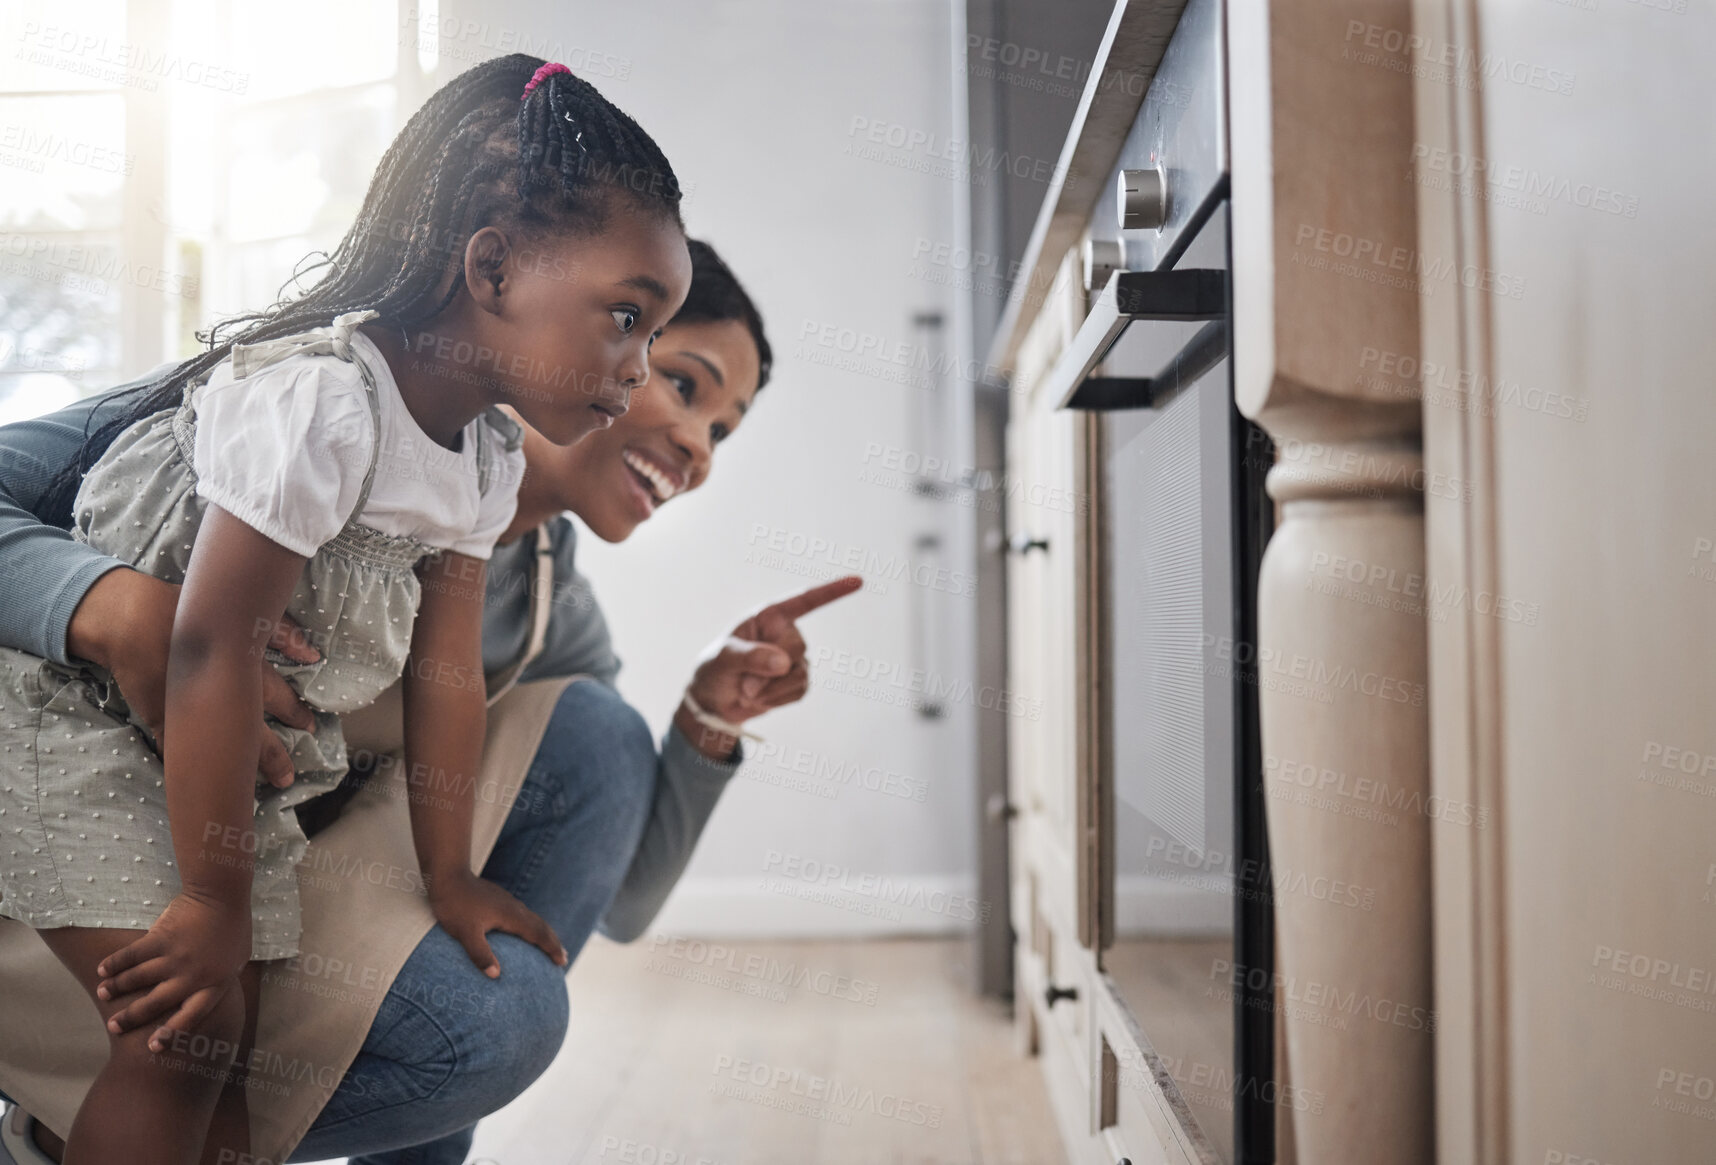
(1053,995)
(1023,544)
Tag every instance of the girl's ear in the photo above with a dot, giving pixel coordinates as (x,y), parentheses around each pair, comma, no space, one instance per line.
(485,264)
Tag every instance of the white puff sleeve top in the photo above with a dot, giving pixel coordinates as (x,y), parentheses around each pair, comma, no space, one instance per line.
(285,451)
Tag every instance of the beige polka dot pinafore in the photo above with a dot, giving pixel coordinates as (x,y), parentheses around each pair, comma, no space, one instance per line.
(84,835)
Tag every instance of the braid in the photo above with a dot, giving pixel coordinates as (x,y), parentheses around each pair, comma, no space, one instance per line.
(474,155)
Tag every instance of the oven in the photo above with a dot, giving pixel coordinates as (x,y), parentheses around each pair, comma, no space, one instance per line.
(1183,934)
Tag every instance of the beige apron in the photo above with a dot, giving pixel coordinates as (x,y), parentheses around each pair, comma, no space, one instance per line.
(363,915)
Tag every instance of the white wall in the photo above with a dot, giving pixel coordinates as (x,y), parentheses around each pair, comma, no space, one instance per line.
(754,102)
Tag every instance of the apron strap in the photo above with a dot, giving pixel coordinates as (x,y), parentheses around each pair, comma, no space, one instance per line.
(541,592)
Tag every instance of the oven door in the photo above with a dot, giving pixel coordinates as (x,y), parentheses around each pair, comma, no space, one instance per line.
(1185,924)
(1185,938)
(1183,1007)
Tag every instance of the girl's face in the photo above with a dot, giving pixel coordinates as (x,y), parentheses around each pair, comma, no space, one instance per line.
(702,379)
(572,325)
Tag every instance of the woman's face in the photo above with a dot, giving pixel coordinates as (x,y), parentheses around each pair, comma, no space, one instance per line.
(702,378)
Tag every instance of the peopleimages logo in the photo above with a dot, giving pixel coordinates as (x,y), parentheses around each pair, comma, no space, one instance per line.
(91,268)
(1524,180)
(891,683)
(140,66)
(827,875)
(832,773)
(476,40)
(829,1092)
(1422,56)
(1394,266)
(1403,375)
(1367,791)
(1325,997)
(721,959)
(768,544)
(1320,674)
(966,161)
(36,147)
(905,469)
(860,351)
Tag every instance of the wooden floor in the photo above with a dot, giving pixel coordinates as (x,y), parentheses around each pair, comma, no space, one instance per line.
(841,1053)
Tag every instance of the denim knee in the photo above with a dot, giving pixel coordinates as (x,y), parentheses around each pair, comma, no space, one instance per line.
(449,1036)
(498,1050)
(602,753)
(512,1032)
(530,1014)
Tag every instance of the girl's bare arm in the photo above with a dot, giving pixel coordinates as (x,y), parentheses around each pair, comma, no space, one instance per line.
(445,715)
(236,586)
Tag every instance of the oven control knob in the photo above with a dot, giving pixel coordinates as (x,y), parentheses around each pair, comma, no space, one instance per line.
(1102,258)
(1143,200)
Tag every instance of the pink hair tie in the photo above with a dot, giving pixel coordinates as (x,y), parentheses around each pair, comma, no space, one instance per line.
(542,73)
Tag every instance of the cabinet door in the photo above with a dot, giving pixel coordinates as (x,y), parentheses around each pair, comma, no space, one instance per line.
(1568,430)
(1046,670)
(1050,789)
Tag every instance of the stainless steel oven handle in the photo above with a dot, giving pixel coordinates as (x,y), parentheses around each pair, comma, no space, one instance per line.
(1195,294)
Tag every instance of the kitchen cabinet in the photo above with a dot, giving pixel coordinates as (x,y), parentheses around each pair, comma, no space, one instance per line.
(1465,292)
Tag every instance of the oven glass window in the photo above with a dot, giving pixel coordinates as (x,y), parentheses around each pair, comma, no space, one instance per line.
(1168,725)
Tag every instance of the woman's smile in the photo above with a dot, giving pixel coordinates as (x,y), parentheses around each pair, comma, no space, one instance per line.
(651,478)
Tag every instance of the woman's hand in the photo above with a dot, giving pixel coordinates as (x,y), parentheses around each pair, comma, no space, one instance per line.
(124,623)
(761,665)
(187,962)
(469,907)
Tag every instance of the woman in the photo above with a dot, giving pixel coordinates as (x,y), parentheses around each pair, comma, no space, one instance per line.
(589,824)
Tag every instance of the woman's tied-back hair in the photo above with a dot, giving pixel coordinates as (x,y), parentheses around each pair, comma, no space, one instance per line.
(716,294)
(513,143)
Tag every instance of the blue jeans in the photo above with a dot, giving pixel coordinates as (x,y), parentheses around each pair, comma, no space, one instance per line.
(428,1073)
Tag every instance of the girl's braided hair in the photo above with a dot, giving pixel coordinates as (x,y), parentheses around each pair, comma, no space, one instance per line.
(513,142)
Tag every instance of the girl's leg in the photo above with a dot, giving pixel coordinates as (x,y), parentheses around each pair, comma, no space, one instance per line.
(229,1132)
(145,1108)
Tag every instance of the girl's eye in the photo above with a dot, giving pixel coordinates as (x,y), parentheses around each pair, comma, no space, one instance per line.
(626,318)
(653,337)
(684,385)
(718,433)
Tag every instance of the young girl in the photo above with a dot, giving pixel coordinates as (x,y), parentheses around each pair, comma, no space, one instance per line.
(520,243)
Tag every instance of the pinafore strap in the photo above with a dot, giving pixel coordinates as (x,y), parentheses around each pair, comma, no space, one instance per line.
(336,340)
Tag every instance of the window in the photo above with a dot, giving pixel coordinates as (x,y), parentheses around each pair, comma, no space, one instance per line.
(168,163)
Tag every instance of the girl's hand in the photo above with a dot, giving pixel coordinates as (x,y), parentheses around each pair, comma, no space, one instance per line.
(762,665)
(469,907)
(187,963)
